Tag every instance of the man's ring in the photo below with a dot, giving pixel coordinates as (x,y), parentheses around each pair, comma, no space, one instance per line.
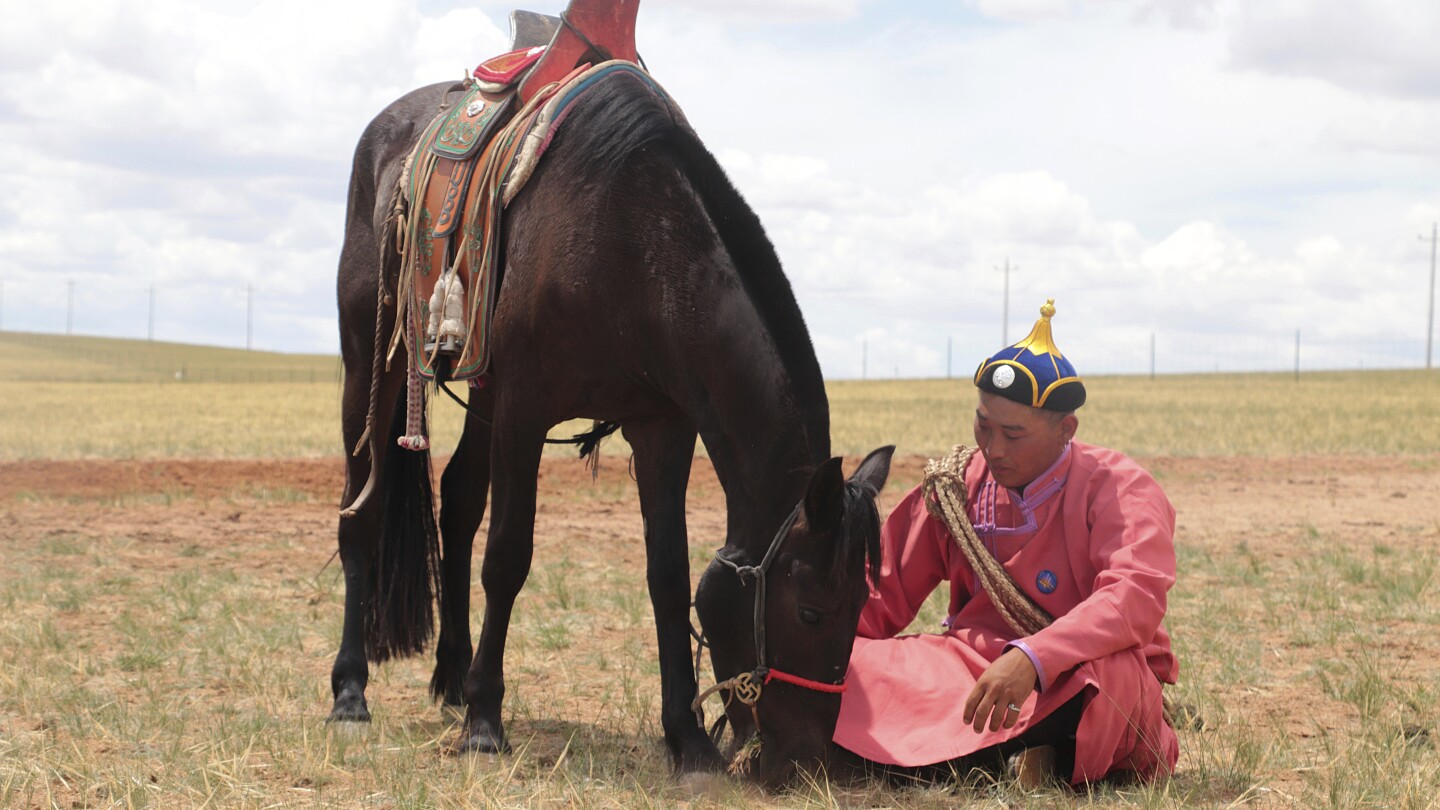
(1012,707)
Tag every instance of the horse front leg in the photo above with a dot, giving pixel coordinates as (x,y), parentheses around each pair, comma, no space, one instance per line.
(463,491)
(516,445)
(664,450)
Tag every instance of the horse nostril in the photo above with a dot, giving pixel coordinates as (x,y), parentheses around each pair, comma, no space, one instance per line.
(810,616)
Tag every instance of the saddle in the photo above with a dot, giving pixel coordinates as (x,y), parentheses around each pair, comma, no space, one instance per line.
(471,161)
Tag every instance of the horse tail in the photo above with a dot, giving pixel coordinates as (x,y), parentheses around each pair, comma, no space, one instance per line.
(407,582)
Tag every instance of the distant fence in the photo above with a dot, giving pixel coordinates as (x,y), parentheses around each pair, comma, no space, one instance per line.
(1165,354)
(1295,352)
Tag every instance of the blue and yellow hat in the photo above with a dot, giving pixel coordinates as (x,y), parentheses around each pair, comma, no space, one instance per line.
(1033,372)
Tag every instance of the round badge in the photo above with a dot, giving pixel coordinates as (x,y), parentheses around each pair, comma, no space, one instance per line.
(1004,377)
(1047,582)
(475,108)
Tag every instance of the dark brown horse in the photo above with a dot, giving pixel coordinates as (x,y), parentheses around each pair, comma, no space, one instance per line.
(639,289)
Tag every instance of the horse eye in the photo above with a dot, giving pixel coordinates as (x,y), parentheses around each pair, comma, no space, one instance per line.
(810,616)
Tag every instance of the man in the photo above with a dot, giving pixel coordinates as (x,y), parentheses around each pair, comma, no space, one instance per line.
(1085,535)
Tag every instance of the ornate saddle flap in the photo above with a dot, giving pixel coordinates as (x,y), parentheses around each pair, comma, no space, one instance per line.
(470,123)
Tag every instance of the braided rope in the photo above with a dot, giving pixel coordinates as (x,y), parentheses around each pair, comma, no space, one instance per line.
(945,491)
(414,438)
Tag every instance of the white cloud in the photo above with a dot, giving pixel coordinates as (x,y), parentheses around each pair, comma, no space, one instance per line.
(766,10)
(1403,129)
(1024,10)
(1233,173)
(1182,14)
(1385,46)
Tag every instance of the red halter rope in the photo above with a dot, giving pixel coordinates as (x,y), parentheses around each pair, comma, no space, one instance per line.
(818,686)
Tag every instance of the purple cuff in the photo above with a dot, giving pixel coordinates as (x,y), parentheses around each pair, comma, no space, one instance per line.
(1034,660)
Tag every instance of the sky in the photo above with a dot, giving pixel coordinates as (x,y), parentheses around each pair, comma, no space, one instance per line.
(1201,182)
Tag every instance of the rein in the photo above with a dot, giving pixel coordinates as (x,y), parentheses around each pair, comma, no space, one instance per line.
(748,686)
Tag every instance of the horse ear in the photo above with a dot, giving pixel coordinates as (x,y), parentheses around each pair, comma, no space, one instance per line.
(825,499)
(873,471)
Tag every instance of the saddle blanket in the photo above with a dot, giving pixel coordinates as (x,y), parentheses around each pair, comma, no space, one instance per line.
(468,165)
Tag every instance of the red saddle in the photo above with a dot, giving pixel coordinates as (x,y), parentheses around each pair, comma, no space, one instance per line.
(601,30)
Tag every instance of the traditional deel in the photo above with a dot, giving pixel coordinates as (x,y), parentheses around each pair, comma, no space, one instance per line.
(1033,372)
(1091,542)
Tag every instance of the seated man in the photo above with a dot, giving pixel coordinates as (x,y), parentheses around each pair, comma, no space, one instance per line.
(1085,536)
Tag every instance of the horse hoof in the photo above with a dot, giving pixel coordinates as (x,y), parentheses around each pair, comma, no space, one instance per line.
(349,709)
(483,740)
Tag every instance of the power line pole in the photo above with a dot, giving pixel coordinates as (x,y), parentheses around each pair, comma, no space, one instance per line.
(1430,327)
(152,312)
(70,308)
(1297,355)
(864,357)
(949,352)
(1005,317)
(1152,356)
(249,316)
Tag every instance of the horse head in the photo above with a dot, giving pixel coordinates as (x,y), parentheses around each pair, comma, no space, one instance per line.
(781,626)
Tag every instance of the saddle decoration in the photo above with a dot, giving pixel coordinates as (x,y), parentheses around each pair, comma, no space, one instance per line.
(499,73)
(469,164)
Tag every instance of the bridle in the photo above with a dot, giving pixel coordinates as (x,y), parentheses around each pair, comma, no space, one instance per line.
(747,686)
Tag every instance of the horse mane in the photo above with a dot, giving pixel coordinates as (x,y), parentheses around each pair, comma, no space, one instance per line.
(622,117)
(859,542)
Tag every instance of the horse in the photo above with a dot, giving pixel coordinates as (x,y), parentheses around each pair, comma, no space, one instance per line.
(638,289)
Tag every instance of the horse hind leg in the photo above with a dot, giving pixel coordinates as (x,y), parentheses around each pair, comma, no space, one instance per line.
(389,550)
(463,491)
(359,535)
(664,451)
(516,444)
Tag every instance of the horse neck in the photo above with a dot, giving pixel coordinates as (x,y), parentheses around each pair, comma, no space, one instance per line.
(757,427)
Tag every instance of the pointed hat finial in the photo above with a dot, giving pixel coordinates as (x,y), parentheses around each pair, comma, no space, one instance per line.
(1040,340)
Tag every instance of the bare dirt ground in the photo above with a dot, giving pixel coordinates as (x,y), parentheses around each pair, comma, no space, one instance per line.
(1266,507)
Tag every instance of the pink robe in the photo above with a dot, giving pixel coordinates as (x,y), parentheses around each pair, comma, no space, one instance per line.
(1091,541)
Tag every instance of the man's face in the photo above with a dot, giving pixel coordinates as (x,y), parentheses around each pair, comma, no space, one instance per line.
(1019,442)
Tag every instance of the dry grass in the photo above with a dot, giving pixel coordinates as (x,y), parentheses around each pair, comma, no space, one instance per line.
(174,652)
(1265,415)
(148,659)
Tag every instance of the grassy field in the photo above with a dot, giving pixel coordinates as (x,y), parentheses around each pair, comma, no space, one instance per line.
(173,652)
(161,646)
(121,400)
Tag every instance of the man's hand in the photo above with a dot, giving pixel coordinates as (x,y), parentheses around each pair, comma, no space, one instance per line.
(1009,680)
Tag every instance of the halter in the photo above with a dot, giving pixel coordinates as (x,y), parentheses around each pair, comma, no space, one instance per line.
(747,686)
